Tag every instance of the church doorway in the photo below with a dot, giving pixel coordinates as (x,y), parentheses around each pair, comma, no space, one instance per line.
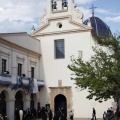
(19,101)
(2,104)
(60,103)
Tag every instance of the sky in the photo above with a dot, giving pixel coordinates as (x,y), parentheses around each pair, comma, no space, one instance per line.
(21,15)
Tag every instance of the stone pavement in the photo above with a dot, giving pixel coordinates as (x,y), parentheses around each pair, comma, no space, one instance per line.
(79,119)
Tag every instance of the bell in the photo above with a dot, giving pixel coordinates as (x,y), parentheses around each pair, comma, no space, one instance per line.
(65,4)
(54,6)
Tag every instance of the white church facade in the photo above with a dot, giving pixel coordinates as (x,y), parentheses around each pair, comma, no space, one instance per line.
(45,55)
(63,34)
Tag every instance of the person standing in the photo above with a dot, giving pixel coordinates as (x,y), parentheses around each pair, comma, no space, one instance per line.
(50,115)
(94,114)
(56,116)
(62,114)
(21,114)
(39,112)
(104,115)
(17,117)
(1,117)
(71,115)
(44,115)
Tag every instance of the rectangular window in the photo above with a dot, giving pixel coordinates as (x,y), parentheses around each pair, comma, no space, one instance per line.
(59,49)
(32,72)
(3,65)
(19,69)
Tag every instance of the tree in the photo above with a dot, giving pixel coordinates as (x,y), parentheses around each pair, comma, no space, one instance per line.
(101,74)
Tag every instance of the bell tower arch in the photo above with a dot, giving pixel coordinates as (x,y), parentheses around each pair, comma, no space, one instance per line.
(60,9)
(59,5)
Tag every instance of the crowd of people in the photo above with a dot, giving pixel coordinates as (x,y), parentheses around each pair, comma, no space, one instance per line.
(32,114)
(3,115)
(110,114)
(27,114)
(43,113)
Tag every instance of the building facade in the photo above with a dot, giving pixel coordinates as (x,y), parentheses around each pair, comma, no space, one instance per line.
(62,34)
(17,58)
(44,55)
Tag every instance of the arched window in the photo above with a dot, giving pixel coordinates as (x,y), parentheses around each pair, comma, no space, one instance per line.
(65,4)
(54,5)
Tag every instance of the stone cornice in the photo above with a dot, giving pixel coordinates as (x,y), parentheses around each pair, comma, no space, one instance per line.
(4,53)
(59,11)
(69,17)
(65,87)
(19,48)
(20,59)
(15,33)
(63,32)
(33,62)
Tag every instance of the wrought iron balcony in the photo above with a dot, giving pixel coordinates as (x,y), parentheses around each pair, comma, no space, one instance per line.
(6,79)
(29,85)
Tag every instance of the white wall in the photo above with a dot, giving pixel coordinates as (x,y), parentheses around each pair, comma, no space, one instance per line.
(23,40)
(15,56)
(52,69)
(56,69)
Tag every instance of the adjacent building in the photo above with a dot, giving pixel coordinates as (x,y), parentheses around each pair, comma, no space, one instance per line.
(19,60)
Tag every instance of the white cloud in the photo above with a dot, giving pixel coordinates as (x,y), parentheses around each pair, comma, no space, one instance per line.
(18,14)
(78,2)
(102,11)
(86,12)
(106,12)
(113,19)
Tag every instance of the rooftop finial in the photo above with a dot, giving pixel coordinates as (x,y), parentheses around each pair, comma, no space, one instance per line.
(33,29)
(92,9)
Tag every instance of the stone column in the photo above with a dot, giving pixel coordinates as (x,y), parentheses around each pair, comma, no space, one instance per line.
(37,99)
(26,102)
(59,4)
(10,107)
(35,104)
(49,6)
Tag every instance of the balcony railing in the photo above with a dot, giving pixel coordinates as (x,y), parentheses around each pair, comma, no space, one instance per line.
(6,79)
(29,85)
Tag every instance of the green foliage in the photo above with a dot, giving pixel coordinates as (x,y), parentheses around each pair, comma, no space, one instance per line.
(101,74)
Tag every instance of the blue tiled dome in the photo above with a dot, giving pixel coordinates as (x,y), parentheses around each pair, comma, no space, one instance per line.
(99,27)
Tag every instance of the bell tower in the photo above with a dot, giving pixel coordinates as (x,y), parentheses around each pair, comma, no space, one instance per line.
(59,9)
(59,6)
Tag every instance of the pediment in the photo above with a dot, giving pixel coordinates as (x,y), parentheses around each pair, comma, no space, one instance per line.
(67,25)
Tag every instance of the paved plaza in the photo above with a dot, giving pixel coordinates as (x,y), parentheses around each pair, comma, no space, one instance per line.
(79,119)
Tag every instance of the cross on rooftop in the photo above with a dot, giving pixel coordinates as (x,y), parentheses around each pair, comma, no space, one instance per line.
(93,8)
